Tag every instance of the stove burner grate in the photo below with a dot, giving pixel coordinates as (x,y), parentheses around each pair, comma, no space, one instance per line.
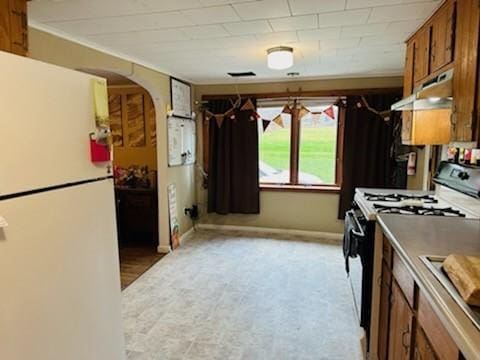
(417,210)
(428,199)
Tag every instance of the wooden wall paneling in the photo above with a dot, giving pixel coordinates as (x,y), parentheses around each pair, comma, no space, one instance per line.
(466,70)
(135,120)
(5,42)
(116,116)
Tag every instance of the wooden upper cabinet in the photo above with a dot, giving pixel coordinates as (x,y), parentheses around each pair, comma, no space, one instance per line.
(465,79)
(401,326)
(421,55)
(14,26)
(442,36)
(408,75)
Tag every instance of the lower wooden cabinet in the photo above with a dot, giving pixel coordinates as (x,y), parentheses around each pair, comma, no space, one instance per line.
(401,326)
(14,26)
(423,349)
(408,326)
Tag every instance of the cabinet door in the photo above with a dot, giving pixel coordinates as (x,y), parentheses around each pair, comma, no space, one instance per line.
(5,25)
(465,80)
(421,55)
(384,312)
(18,27)
(400,329)
(442,37)
(409,64)
(423,350)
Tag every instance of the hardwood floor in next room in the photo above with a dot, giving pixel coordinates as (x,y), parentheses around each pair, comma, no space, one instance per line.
(135,260)
(227,296)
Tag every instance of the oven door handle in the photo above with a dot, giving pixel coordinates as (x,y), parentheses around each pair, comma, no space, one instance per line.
(360,231)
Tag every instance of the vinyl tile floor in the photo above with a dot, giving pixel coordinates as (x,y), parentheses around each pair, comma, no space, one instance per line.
(233,296)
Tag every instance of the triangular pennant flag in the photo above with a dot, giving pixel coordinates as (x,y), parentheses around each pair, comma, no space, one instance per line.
(248,105)
(329,112)
(219,118)
(303,111)
(287,109)
(265,124)
(279,120)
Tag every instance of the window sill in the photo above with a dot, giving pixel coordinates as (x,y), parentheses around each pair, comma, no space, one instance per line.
(330,189)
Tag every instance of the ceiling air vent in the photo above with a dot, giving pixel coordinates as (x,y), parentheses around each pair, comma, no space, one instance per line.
(242,74)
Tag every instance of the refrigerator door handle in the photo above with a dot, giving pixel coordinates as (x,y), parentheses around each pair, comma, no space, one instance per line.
(3,222)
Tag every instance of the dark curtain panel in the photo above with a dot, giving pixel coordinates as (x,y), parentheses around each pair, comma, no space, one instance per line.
(233,185)
(368,159)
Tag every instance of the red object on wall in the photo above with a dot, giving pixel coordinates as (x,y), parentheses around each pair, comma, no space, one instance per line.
(99,152)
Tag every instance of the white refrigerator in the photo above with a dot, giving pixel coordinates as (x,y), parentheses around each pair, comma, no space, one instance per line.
(60,296)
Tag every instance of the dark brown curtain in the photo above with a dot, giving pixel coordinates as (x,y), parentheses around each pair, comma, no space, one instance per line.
(233,185)
(368,159)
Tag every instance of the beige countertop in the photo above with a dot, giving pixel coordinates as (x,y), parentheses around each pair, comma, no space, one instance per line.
(413,236)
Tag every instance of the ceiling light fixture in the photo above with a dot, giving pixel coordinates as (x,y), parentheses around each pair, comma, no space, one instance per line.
(280,57)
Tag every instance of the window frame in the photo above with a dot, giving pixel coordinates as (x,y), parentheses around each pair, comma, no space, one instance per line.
(295,140)
(292,94)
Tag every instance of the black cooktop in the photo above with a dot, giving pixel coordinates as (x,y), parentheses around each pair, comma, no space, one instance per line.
(418,210)
(394,197)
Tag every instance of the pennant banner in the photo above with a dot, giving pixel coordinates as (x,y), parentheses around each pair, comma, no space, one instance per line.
(248,105)
(219,118)
(265,124)
(330,112)
(303,111)
(287,109)
(279,121)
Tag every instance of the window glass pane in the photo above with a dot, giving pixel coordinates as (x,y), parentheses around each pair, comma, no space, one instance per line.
(318,147)
(274,147)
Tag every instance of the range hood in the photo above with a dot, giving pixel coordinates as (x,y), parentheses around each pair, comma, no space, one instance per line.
(432,95)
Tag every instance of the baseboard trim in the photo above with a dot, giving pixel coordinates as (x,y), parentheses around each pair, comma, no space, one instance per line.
(313,235)
(163,249)
(186,236)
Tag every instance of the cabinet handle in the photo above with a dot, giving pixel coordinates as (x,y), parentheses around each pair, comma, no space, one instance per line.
(434,50)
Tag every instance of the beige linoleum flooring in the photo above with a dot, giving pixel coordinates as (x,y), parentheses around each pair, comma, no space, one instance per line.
(228,296)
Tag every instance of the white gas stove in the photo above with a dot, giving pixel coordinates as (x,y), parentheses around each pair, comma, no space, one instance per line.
(442,202)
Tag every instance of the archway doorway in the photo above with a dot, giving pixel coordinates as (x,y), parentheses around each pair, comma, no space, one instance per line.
(134,135)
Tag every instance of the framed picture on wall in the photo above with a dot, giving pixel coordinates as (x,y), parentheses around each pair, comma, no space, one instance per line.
(181,94)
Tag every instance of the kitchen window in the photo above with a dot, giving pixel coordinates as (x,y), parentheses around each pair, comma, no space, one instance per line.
(304,153)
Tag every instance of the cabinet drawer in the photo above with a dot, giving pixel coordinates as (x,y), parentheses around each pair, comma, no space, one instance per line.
(404,278)
(387,252)
(443,345)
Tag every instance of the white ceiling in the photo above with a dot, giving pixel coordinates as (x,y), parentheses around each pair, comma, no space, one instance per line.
(202,40)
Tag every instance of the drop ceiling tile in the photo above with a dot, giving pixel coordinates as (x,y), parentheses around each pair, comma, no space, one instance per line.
(278,38)
(384,39)
(400,27)
(362,30)
(81,9)
(211,15)
(123,23)
(238,41)
(222,2)
(166,5)
(140,37)
(205,31)
(402,12)
(319,34)
(248,27)
(339,43)
(303,22)
(302,7)
(357,4)
(372,49)
(340,18)
(264,9)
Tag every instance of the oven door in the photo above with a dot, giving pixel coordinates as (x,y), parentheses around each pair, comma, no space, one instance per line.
(359,245)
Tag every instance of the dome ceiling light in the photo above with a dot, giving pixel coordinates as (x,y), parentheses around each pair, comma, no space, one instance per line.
(280,57)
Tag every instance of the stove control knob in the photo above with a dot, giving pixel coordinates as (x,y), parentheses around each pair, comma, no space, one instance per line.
(463,175)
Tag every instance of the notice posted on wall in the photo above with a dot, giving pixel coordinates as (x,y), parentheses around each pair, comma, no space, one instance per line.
(172,212)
